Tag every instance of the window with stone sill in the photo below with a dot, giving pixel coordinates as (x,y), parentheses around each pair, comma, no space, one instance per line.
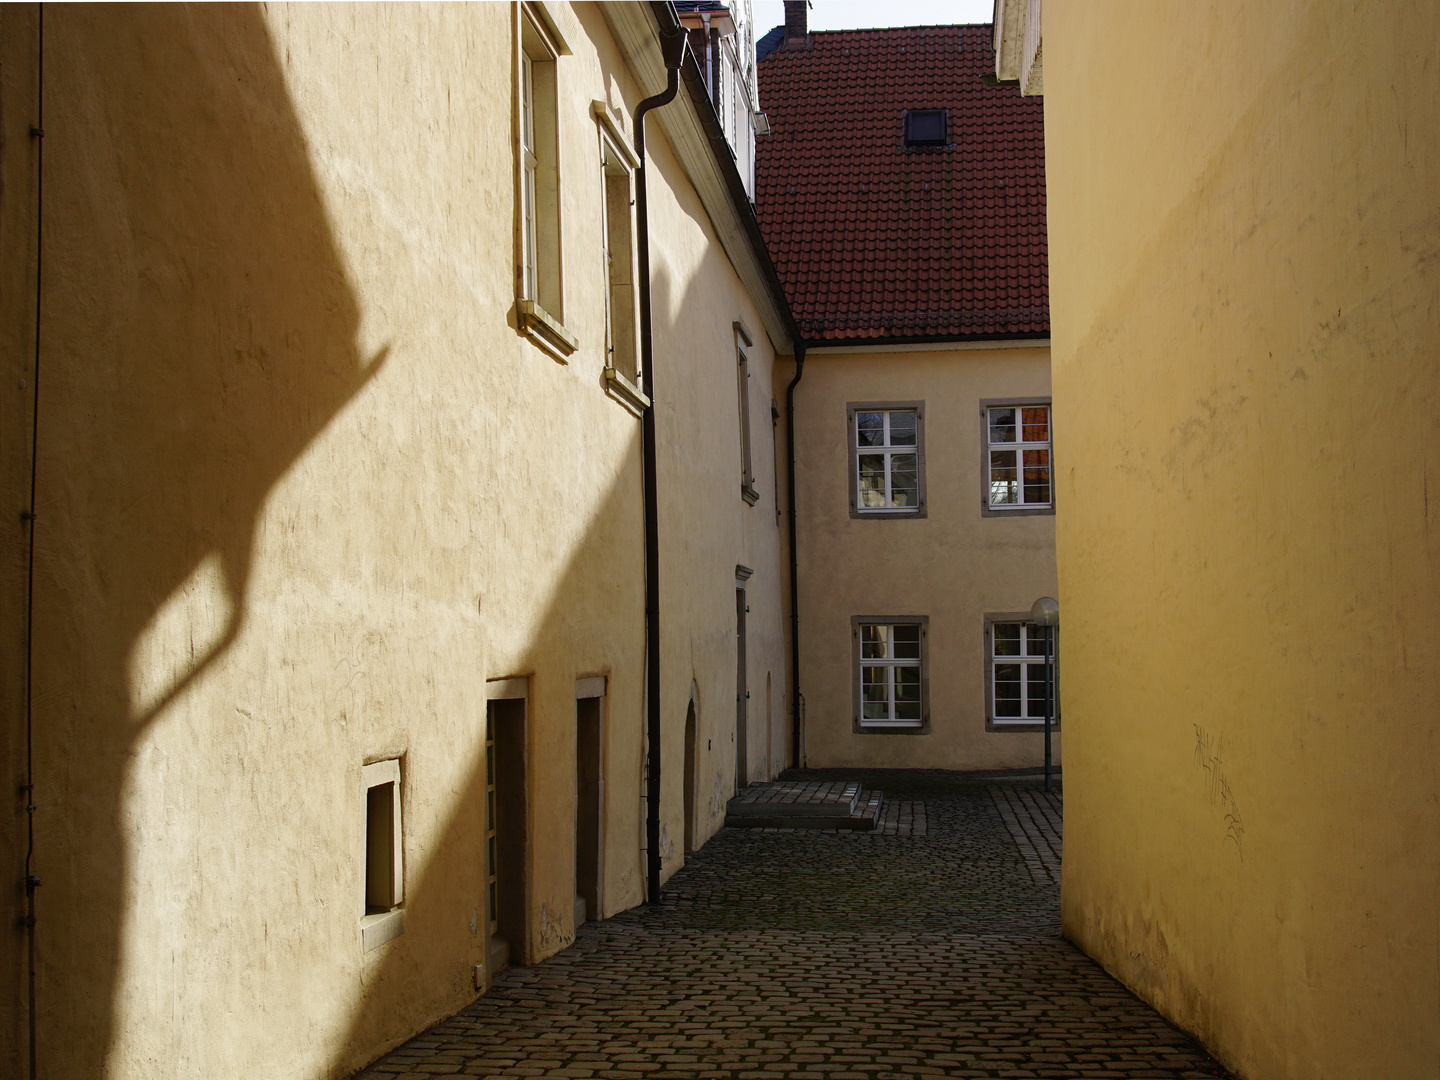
(743,343)
(891,689)
(384,857)
(1019,466)
(540,283)
(887,459)
(616,169)
(1015,676)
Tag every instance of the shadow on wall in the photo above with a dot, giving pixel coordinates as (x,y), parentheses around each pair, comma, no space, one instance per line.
(198,331)
(596,607)
(595,622)
(602,584)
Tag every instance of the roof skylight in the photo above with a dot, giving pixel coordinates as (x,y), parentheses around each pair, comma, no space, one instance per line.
(925,127)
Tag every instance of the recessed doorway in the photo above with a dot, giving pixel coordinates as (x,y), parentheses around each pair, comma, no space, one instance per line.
(690,765)
(589,798)
(506,832)
(742,692)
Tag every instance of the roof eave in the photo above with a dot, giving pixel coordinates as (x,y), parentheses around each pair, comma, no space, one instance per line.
(694,133)
(1037,338)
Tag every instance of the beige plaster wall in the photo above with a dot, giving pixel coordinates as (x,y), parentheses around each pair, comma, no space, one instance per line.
(953,565)
(707,529)
(303,490)
(1243,240)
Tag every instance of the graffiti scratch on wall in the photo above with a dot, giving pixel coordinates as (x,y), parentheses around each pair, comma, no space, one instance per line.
(554,935)
(1209,757)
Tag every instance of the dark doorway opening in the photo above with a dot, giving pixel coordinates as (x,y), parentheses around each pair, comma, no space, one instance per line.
(507,832)
(589,807)
(690,764)
(742,777)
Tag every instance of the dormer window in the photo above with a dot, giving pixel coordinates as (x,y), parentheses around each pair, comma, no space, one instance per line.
(925,127)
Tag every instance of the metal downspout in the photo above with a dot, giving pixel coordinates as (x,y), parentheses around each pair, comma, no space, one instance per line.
(672,46)
(795,697)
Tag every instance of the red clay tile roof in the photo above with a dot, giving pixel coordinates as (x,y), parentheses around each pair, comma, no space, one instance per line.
(873,240)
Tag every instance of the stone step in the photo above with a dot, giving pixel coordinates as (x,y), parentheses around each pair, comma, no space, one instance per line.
(798,798)
(805,804)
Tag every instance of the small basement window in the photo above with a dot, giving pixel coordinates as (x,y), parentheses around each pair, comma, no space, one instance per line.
(384,867)
(925,127)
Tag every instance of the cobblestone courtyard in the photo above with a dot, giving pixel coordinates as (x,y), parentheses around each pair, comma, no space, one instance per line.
(930,947)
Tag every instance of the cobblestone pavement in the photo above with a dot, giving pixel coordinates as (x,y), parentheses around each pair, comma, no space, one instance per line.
(835,955)
(1033,819)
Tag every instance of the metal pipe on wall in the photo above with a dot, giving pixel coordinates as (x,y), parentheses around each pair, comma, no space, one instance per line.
(795,698)
(674,37)
(672,46)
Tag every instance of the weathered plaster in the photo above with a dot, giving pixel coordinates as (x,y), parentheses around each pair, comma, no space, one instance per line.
(1243,282)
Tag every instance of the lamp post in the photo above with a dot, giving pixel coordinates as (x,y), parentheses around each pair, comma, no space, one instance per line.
(1046,612)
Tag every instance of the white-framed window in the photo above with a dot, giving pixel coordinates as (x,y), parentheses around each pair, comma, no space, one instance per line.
(891,685)
(742,376)
(1019,470)
(887,459)
(539,277)
(539,169)
(529,166)
(617,162)
(384,878)
(1017,675)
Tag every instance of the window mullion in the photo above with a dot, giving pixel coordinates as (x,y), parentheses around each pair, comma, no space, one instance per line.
(1020,448)
(885,452)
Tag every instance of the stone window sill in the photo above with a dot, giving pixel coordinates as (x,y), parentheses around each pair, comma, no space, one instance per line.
(625,392)
(376,930)
(546,331)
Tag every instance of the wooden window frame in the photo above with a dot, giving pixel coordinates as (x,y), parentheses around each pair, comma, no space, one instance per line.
(860,726)
(987,509)
(886,513)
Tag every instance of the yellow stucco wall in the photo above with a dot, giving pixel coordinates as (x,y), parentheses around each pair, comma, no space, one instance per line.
(954,565)
(1243,257)
(304,489)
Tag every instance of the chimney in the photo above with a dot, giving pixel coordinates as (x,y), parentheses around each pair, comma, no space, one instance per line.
(797,18)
